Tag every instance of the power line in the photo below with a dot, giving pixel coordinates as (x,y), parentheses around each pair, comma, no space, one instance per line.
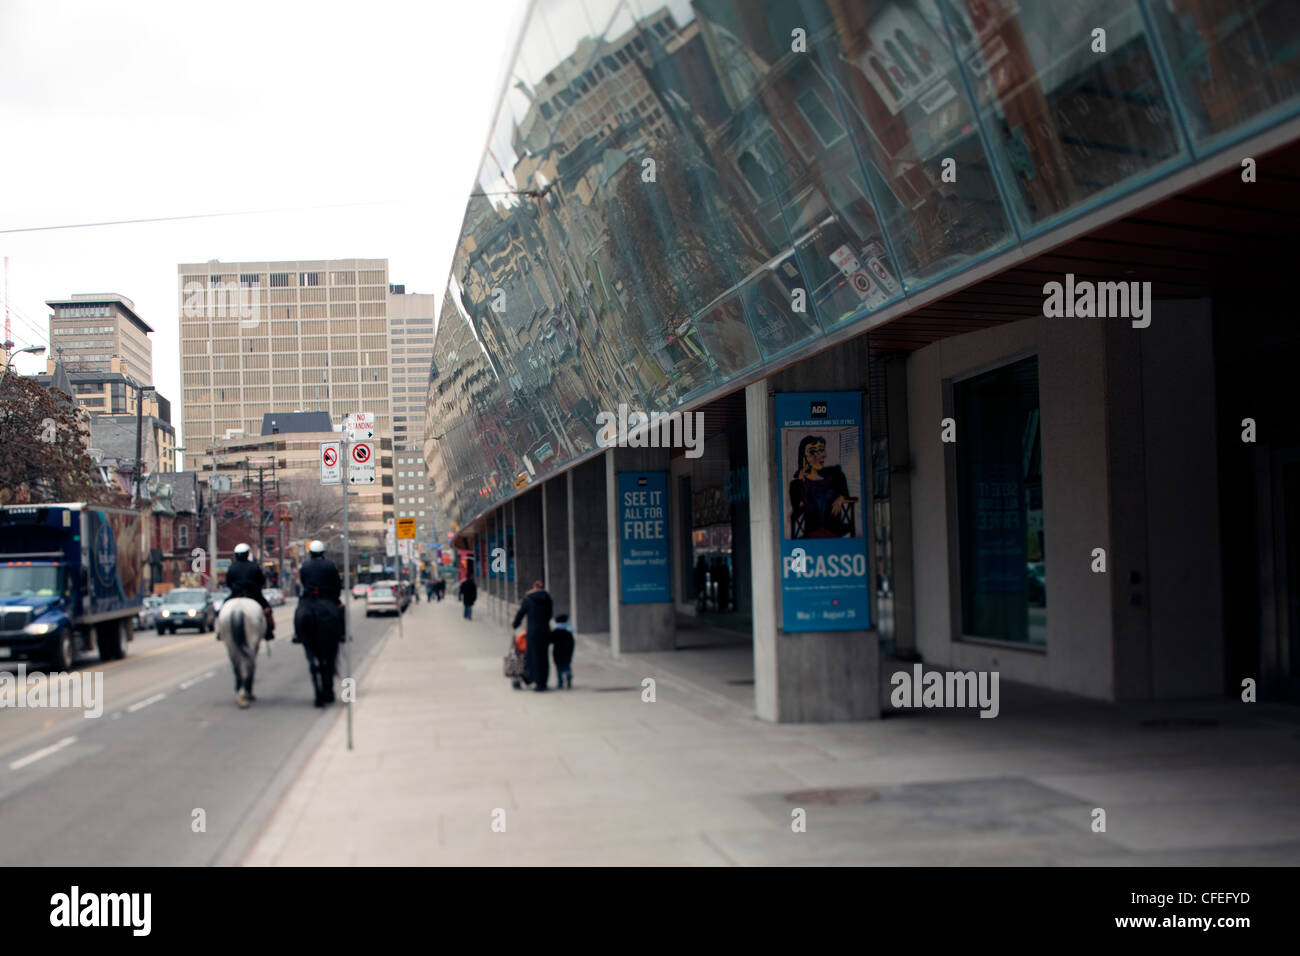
(204,215)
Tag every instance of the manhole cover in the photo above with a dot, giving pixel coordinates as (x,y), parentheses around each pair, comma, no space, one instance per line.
(608,690)
(1180,723)
(832,797)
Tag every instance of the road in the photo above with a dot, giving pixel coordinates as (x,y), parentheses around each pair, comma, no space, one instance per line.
(122,789)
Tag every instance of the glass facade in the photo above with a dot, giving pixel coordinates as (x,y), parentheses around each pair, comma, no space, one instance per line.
(676,196)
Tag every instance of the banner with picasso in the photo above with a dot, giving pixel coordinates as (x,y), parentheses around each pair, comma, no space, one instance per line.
(824,580)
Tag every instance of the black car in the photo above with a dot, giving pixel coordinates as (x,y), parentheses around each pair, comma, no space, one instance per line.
(185,607)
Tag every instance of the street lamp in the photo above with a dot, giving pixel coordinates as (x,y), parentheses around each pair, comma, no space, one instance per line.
(33,349)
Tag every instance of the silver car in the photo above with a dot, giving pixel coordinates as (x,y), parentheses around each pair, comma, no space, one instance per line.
(145,618)
(382,599)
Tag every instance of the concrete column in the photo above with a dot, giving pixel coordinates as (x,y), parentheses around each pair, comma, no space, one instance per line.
(819,676)
(555,525)
(588,564)
(510,596)
(486,586)
(530,545)
(634,627)
(900,509)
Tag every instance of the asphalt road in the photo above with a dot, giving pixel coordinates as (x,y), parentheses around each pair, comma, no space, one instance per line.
(122,789)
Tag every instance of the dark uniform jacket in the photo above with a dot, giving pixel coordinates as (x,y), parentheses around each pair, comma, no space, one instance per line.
(320,579)
(245,579)
(317,618)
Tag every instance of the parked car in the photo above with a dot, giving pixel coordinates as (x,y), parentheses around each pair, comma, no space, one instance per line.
(360,590)
(384,597)
(145,619)
(185,607)
(274,596)
(219,598)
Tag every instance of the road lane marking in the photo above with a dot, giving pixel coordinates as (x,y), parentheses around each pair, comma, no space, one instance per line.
(186,685)
(41,754)
(142,704)
(37,678)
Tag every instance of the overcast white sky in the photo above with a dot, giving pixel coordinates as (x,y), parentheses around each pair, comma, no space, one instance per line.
(149,109)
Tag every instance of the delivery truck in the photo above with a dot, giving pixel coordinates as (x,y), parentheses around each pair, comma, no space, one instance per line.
(71,582)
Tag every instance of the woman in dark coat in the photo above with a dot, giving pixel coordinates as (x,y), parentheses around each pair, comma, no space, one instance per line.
(468,595)
(537,608)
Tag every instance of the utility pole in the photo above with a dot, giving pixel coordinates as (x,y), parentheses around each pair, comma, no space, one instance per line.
(212,516)
(139,428)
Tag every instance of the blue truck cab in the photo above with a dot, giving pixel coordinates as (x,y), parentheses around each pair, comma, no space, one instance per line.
(71,581)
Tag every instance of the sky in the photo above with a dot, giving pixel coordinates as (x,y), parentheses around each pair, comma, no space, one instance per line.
(348,129)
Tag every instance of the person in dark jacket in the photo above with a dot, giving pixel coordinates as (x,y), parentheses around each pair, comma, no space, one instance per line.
(537,608)
(562,651)
(721,575)
(318,620)
(468,592)
(245,579)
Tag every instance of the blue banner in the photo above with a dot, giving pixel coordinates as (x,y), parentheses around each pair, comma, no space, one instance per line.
(643,536)
(824,574)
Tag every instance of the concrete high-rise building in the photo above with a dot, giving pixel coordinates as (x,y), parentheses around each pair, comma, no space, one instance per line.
(411,325)
(262,338)
(88,330)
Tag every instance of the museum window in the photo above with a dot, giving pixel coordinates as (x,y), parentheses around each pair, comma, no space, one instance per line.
(1000,505)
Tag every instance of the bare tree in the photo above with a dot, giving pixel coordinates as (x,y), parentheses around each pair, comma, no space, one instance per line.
(320,506)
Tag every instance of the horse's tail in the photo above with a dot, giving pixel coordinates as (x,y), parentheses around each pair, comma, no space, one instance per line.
(237,628)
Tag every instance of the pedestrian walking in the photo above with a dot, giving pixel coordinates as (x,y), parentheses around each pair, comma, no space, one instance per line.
(537,608)
(441,588)
(468,593)
(562,651)
(722,575)
(429,588)
(701,583)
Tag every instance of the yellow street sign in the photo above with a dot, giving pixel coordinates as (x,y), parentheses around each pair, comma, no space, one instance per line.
(406,528)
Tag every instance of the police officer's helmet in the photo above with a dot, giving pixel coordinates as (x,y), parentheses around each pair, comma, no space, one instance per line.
(242,551)
(317,547)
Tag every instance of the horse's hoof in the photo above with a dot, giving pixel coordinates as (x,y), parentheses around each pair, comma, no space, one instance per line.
(241,699)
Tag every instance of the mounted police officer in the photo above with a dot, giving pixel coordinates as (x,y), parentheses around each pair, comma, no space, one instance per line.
(245,579)
(318,621)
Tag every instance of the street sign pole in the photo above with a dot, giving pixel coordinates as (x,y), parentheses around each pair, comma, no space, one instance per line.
(347,586)
(401,632)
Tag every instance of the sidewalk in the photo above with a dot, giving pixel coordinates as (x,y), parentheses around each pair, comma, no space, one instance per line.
(597,776)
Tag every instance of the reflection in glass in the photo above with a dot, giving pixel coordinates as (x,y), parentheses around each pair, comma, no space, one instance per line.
(673,194)
(1233,62)
(1066,123)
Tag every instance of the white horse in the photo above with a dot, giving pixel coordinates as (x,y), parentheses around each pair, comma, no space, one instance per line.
(241,625)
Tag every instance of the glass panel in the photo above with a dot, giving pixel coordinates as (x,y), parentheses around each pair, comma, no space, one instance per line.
(1068,125)
(1233,62)
(1000,505)
(920,157)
